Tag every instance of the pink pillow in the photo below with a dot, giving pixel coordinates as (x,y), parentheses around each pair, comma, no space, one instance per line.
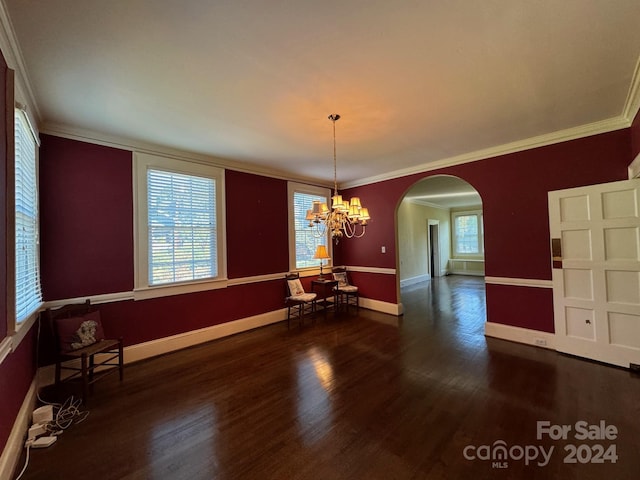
(79,332)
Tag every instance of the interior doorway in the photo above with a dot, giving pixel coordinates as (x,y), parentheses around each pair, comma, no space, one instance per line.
(439,232)
(433,248)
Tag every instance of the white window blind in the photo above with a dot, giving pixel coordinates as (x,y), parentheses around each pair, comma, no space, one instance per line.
(305,240)
(182,227)
(28,291)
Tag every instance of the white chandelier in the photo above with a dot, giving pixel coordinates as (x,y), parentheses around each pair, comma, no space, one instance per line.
(345,218)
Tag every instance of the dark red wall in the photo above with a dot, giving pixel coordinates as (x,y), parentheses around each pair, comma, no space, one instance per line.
(516,223)
(518,306)
(635,136)
(18,368)
(255,225)
(514,195)
(87,239)
(16,373)
(513,188)
(3,198)
(7,409)
(145,320)
(87,243)
(86,219)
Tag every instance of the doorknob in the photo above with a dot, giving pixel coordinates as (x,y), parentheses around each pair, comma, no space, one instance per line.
(587,321)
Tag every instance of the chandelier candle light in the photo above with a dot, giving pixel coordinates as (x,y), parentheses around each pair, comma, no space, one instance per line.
(345,218)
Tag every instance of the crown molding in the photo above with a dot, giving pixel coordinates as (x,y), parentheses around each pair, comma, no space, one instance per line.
(424,203)
(632,103)
(595,128)
(129,144)
(629,112)
(15,60)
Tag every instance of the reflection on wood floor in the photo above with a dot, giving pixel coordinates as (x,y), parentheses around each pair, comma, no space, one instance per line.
(426,396)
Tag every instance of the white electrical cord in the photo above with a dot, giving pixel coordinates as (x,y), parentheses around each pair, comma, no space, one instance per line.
(26,463)
(65,414)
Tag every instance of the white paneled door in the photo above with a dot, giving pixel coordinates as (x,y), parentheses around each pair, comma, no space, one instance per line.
(595,238)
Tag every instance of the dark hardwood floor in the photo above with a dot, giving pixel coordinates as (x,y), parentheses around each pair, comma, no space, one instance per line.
(367,397)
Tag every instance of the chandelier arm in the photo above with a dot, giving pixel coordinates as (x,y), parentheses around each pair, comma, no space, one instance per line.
(319,230)
(349,229)
(364,228)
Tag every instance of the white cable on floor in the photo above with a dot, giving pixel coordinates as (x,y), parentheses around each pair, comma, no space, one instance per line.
(26,463)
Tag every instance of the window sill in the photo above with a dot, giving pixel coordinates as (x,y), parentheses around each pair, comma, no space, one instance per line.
(13,340)
(144,293)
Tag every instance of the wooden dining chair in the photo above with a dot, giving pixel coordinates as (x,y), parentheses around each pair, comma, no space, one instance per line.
(347,294)
(81,347)
(297,299)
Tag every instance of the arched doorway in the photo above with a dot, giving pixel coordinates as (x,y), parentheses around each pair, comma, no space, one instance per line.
(440,232)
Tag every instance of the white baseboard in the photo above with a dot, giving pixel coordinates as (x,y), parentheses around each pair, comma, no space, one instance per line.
(413,280)
(164,345)
(466,272)
(152,348)
(141,351)
(15,443)
(520,335)
(380,306)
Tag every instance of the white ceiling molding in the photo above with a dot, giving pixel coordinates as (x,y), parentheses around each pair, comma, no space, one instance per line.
(560,136)
(424,203)
(272,151)
(139,146)
(13,56)
(632,104)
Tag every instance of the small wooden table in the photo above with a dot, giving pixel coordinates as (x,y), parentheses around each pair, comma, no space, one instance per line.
(324,289)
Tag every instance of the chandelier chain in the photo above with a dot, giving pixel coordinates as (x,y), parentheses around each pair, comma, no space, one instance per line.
(333,119)
(342,218)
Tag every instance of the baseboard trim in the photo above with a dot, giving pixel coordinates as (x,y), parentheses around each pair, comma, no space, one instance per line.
(15,443)
(519,282)
(413,280)
(466,272)
(520,335)
(161,346)
(380,306)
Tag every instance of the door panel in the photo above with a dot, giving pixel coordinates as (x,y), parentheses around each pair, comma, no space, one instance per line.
(596,277)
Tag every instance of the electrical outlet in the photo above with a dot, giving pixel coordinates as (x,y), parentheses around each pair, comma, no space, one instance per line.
(541,342)
(383,249)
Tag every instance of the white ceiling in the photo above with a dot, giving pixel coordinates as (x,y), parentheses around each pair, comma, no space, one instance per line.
(253,81)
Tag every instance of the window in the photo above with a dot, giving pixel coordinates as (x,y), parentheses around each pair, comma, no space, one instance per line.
(468,233)
(302,240)
(182,227)
(27,266)
(179,218)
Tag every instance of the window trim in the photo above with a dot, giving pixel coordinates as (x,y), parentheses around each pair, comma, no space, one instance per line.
(15,329)
(454,233)
(141,163)
(293,188)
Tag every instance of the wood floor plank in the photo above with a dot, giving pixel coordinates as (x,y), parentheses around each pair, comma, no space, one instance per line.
(366,397)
